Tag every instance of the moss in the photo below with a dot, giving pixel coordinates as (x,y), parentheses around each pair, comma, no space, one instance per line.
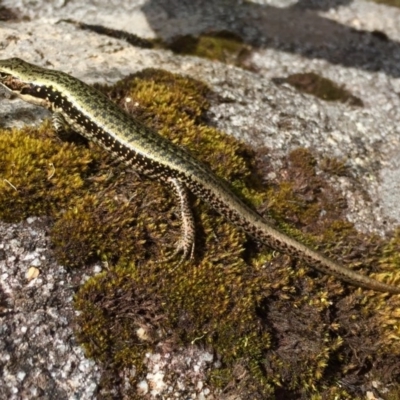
(334,166)
(39,173)
(394,3)
(323,88)
(6,14)
(279,328)
(223,46)
(303,195)
(394,392)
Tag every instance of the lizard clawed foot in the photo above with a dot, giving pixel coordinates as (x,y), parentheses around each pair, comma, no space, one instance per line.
(186,247)
(185,244)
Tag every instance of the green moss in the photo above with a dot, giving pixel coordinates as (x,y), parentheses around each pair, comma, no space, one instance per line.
(323,88)
(223,46)
(394,392)
(279,328)
(39,173)
(394,3)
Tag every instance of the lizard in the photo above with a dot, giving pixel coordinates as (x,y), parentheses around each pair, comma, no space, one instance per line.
(90,113)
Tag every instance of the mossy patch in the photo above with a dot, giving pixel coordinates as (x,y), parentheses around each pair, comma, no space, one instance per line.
(39,173)
(6,14)
(394,3)
(323,88)
(290,331)
(223,46)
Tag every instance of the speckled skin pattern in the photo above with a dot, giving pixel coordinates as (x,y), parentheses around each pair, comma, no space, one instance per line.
(94,116)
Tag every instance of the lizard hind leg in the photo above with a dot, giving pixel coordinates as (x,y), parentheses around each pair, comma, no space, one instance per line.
(185,244)
(59,122)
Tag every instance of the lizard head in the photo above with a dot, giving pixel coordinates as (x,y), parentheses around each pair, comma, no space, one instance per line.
(24,80)
(14,74)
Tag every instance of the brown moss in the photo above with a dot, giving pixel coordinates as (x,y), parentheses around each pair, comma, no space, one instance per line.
(223,46)
(393,3)
(300,193)
(334,166)
(323,88)
(7,14)
(279,328)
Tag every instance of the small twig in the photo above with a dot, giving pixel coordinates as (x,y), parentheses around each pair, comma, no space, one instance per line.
(52,172)
(7,181)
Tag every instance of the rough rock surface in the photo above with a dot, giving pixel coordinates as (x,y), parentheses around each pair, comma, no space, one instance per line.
(38,355)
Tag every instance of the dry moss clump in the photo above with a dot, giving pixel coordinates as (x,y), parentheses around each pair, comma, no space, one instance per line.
(393,3)
(279,328)
(223,46)
(323,88)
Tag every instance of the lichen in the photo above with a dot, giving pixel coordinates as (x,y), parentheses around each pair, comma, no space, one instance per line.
(279,328)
